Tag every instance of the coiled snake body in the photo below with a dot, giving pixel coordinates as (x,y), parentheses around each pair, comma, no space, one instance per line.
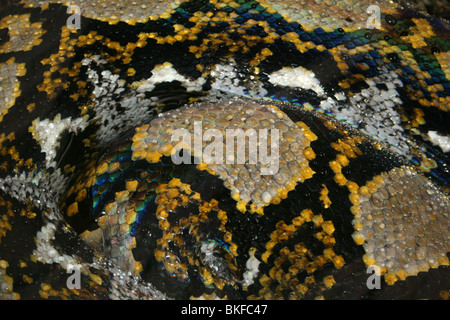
(92,93)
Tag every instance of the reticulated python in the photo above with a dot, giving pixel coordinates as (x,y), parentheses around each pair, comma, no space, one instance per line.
(92,92)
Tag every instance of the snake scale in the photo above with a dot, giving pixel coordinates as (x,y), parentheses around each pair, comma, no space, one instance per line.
(98,201)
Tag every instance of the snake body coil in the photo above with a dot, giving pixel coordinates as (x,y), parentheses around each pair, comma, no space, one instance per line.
(341,113)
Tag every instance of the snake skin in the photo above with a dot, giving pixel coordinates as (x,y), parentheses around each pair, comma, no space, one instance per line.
(88,187)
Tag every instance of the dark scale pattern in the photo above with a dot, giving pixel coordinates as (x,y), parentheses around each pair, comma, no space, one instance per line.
(79,188)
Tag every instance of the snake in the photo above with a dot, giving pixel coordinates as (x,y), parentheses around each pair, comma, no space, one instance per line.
(223,149)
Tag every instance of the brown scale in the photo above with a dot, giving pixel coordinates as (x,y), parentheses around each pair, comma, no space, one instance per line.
(294,151)
(402,221)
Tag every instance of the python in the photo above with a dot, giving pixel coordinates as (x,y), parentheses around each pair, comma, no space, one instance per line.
(214,152)
(87,178)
